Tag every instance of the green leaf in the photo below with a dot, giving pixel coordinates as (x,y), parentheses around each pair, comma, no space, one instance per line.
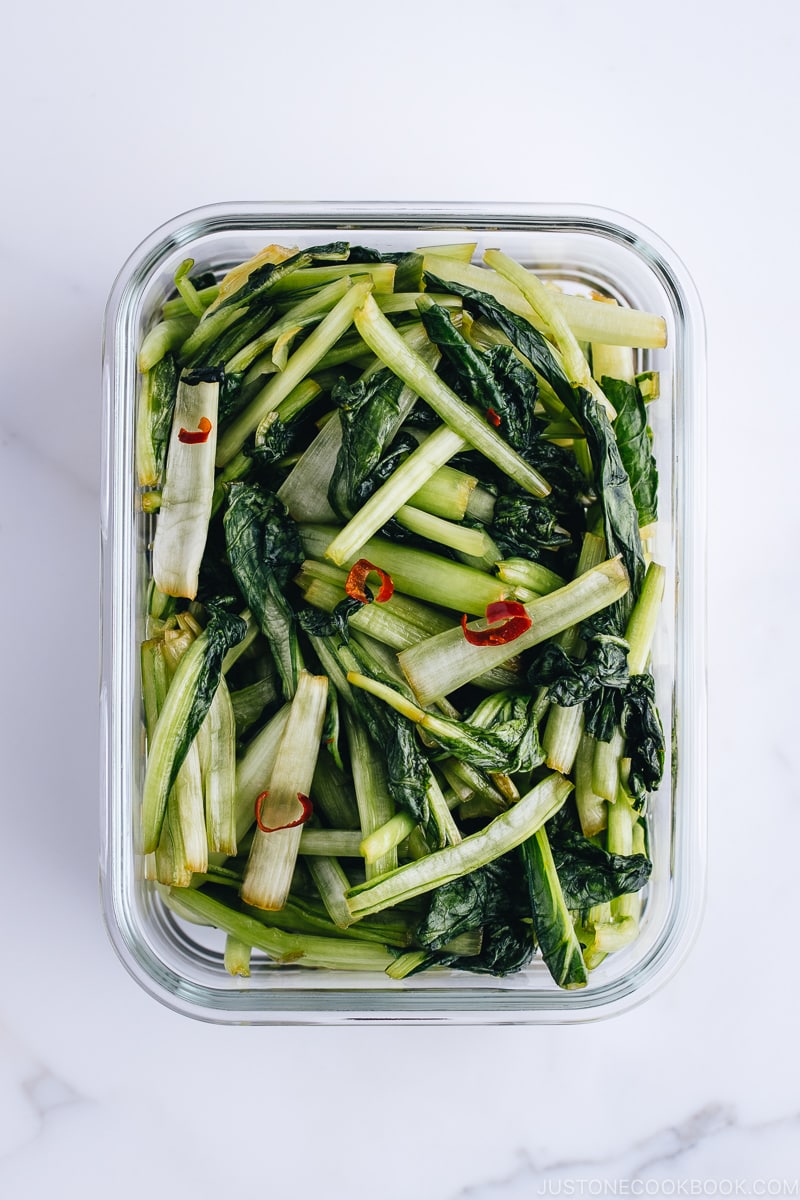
(264,551)
(635,446)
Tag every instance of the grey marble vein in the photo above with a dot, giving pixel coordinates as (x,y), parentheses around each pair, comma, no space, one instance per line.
(661,1154)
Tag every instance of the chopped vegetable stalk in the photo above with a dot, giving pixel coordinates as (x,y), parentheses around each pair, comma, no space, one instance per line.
(375,805)
(592,809)
(473,542)
(330,843)
(163,338)
(306,312)
(185,706)
(605,769)
(564,726)
(217,745)
(543,301)
(438,666)
(503,834)
(332,953)
(332,885)
(254,769)
(272,855)
(416,572)
(457,251)
(301,363)
(182,849)
(391,350)
(552,923)
(522,573)
(187,493)
(237,957)
(434,452)
(307,279)
(589,320)
(446,494)
(376,845)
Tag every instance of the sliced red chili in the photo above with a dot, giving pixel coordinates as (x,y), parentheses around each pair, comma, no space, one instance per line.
(514,618)
(494,417)
(356,581)
(305,805)
(196,436)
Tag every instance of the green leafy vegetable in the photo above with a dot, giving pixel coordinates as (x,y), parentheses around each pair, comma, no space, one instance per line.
(635,446)
(264,551)
(183,712)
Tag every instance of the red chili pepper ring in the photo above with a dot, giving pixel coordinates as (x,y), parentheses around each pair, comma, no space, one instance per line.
(515,622)
(305,805)
(196,437)
(356,580)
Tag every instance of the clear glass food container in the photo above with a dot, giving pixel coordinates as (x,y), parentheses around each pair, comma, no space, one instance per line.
(583,249)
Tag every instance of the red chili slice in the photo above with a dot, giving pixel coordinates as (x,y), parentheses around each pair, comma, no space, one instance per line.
(494,417)
(358,578)
(305,804)
(195,437)
(515,622)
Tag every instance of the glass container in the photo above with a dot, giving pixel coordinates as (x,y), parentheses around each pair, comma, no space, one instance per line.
(583,249)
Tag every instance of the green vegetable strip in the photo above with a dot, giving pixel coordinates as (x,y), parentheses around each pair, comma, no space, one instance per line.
(605,769)
(187,290)
(420,465)
(542,301)
(521,573)
(592,809)
(272,856)
(424,618)
(624,909)
(254,769)
(301,363)
(381,841)
(399,302)
(614,361)
(375,805)
(461,538)
(416,572)
(446,494)
(162,338)
(449,832)
(332,885)
(589,320)
(185,706)
(442,664)
(306,312)
(235,653)
(331,843)
(176,307)
(457,251)
(552,923)
(564,726)
(644,618)
(307,950)
(373,619)
(217,744)
(187,494)
(386,343)
(298,399)
(503,834)
(639,635)
(381,276)
(333,796)
(305,489)
(182,849)
(237,957)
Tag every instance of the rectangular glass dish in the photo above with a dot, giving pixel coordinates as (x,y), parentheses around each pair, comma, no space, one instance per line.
(582,249)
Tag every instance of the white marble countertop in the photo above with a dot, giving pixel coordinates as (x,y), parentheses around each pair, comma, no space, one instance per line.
(118,118)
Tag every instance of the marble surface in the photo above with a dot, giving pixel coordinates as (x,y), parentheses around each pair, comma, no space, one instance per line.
(118,117)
